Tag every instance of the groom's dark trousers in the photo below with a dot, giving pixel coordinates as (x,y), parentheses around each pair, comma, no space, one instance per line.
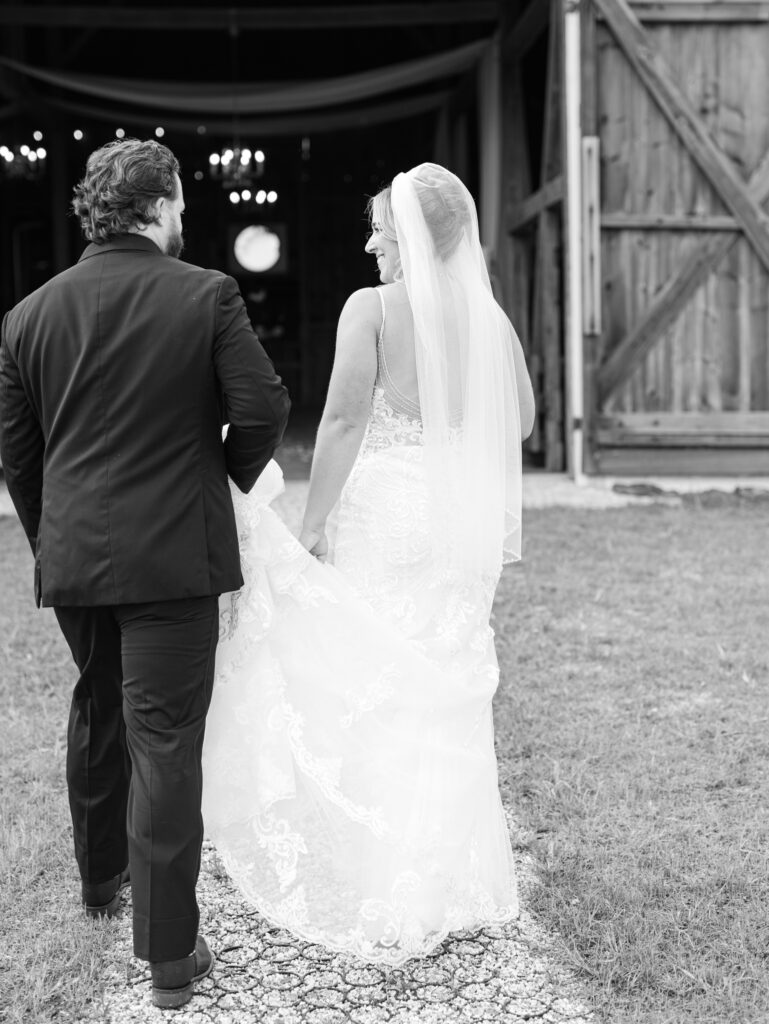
(115,380)
(146,674)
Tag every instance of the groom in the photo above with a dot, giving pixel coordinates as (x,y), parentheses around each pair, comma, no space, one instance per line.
(115,380)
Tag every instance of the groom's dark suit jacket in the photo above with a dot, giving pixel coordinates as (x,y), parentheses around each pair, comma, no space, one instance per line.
(115,380)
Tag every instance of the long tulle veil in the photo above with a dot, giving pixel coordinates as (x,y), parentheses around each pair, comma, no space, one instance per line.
(465,371)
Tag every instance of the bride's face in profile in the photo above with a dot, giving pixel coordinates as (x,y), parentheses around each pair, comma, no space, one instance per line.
(386,251)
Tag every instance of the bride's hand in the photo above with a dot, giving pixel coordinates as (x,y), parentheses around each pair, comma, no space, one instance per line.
(315,541)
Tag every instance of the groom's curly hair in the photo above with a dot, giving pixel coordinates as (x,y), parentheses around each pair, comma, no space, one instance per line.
(123,181)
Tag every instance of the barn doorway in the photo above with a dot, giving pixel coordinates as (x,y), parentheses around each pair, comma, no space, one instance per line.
(534,188)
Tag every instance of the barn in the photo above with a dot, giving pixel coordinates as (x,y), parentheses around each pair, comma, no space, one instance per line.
(619,151)
(649,175)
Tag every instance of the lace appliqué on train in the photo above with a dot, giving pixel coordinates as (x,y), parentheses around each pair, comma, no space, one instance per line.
(350,781)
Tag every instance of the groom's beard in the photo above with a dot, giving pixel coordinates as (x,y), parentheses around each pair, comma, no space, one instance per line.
(175,244)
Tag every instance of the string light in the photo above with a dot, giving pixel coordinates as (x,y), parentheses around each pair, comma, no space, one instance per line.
(120,132)
(261,195)
(77,134)
(234,197)
(272,196)
(37,136)
(160,132)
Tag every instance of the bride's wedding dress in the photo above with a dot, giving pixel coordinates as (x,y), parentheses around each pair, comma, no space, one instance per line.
(350,780)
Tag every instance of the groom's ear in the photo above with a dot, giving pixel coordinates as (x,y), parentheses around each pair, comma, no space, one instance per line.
(158,207)
(154,214)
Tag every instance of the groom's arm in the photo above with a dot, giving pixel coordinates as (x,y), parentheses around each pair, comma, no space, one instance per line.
(21,443)
(256,404)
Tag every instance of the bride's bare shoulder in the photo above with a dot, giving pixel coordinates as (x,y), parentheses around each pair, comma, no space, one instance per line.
(363,304)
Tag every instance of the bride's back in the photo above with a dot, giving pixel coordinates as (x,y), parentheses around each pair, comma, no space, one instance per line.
(397,373)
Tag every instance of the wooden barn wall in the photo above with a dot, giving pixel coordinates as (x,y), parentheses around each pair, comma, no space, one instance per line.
(657,208)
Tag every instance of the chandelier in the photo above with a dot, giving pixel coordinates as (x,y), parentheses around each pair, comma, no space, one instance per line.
(239,171)
(24,162)
(236,168)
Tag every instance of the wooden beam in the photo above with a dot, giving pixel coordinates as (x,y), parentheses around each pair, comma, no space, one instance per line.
(684,429)
(524,32)
(529,209)
(667,222)
(336,16)
(643,56)
(731,12)
(673,296)
(627,461)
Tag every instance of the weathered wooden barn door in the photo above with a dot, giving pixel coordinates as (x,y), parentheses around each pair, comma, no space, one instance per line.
(676,102)
(533,186)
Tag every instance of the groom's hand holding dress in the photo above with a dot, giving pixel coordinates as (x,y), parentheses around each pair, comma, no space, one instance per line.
(115,380)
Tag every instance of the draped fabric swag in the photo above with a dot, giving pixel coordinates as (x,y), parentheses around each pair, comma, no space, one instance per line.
(258,98)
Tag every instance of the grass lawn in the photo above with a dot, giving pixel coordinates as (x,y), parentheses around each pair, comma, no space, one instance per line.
(634,731)
(633,740)
(49,959)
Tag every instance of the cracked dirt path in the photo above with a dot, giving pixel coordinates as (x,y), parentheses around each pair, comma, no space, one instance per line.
(265,975)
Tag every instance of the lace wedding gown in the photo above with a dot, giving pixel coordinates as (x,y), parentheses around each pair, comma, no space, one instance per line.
(350,780)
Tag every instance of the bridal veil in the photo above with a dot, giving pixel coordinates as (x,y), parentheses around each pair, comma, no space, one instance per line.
(465,371)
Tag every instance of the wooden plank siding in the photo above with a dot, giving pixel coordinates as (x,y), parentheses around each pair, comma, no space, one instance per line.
(681,106)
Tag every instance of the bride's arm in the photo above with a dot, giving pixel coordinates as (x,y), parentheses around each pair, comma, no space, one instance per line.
(345,414)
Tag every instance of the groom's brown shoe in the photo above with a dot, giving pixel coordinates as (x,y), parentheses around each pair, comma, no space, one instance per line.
(173,981)
(103,899)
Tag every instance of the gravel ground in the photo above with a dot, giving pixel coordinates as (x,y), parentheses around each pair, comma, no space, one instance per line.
(501,975)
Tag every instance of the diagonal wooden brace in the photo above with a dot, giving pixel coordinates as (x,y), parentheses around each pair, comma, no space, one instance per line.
(719,170)
(743,200)
(673,296)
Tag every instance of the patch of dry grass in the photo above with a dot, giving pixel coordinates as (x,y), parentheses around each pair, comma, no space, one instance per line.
(53,961)
(632,725)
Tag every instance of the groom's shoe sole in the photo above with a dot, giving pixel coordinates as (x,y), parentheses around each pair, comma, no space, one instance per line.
(110,907)
(179,984)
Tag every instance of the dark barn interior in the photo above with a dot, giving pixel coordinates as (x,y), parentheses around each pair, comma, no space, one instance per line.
(322,162)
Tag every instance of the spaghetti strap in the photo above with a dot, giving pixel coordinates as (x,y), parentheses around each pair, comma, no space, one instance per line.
(382,303)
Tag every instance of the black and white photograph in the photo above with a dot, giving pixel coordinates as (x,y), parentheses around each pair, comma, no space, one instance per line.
(384,504)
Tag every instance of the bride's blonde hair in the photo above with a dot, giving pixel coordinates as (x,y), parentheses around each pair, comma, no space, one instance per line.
(380,211)
(444,207)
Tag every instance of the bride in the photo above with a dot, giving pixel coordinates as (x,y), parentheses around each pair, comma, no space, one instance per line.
(350,776)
